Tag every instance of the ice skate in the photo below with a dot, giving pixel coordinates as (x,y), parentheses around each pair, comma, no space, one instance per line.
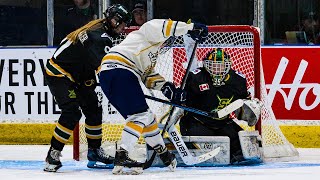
(169,160)
(99,155)
(125,165)
(53,162)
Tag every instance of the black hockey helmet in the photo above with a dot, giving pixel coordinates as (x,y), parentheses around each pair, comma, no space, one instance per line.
(119,13)
(217,62)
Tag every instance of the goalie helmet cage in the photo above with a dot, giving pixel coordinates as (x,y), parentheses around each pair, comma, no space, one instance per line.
(242,43)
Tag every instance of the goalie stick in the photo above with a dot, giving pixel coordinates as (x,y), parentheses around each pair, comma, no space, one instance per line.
(184,152)
(175,136)
(179,144)
(149,162)
(181,147)
(218,114)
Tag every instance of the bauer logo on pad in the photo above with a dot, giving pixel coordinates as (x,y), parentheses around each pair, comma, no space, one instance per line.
(204,87)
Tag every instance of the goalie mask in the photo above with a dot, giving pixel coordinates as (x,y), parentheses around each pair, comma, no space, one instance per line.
(115,16)
(217,63)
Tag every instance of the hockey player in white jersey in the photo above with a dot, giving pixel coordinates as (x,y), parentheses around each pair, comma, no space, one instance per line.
(131,62)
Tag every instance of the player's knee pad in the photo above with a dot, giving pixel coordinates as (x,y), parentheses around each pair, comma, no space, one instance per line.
(151,130)
(144,118)
(70,115)
(94,117)
(137,122)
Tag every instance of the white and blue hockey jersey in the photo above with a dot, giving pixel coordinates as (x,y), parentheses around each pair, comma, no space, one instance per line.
(138,52)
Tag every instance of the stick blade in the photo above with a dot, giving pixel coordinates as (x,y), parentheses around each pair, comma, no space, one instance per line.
(230,108)
(203,157)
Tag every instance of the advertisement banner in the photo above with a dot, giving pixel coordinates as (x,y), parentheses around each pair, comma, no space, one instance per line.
(291,75)
(24,95)
(293,81)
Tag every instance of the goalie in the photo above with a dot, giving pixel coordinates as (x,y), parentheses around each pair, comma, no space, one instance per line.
(212,87)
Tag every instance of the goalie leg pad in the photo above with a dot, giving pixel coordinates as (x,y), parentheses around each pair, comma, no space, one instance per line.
(198,145)
(250,145)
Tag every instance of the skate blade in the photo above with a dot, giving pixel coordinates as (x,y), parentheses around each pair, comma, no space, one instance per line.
(173,165)
(121,170)
(52,168)
(99,165)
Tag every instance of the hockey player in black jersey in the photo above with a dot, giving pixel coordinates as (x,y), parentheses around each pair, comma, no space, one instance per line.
(210,88)
(70,75)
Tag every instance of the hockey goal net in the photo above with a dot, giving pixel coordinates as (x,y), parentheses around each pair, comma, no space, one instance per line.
(242,43)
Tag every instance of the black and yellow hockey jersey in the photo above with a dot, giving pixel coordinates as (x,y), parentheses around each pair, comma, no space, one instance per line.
(79,58)
(201,94)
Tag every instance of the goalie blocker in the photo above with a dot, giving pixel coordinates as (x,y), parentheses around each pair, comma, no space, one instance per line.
(197,145)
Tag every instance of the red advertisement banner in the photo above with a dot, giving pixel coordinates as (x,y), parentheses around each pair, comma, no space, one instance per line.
(292,75)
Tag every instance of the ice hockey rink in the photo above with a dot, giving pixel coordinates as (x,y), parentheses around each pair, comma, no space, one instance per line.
(26,162)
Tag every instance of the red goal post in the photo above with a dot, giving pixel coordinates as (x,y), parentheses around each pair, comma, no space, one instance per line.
(242,43)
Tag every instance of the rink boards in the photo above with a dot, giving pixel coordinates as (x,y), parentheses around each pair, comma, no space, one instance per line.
(28,113)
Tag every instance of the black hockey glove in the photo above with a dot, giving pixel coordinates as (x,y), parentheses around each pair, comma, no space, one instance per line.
(175,95)
(199,32)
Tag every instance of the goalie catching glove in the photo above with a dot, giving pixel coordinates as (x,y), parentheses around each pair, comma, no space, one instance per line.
(250,111)
(176,95)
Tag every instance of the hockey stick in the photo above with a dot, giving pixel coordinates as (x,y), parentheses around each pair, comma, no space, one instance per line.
(184,152)
(218,114)
(149,162)
(176,138)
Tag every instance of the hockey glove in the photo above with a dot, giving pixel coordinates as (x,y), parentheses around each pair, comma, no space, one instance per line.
(250,111)
(199,32)
(176,95)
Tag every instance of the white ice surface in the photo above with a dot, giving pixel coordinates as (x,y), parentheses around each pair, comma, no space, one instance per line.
(26,162)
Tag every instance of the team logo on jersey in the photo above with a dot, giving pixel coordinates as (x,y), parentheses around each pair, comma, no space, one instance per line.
(153,60)
(72,94)
(223,102)
(153,57)
(204,87)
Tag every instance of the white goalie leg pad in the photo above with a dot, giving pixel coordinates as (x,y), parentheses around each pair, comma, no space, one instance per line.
(250,142)
(176,115)
(198,146)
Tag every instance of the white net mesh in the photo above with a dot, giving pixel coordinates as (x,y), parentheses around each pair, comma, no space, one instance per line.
(275,145)
(242,45)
